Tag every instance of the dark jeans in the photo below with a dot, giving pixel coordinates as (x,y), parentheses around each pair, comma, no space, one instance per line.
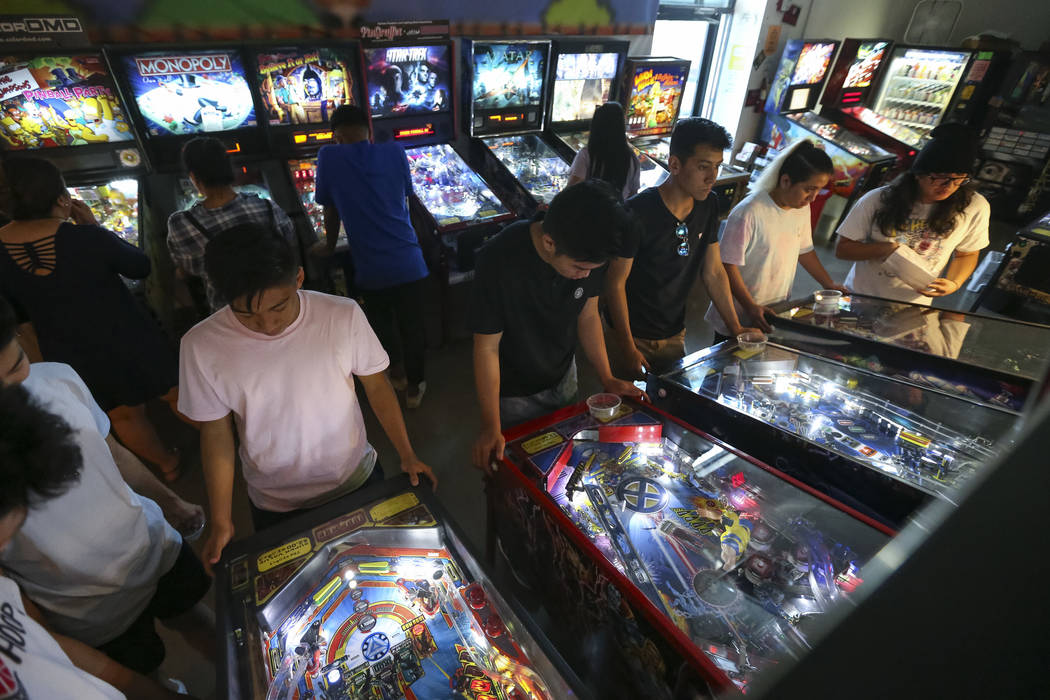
(396,316)
(514,410)
(139,647)
(262,519)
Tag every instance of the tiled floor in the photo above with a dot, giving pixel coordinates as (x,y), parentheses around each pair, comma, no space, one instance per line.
(442,430)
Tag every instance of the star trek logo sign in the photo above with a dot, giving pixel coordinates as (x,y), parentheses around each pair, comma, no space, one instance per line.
(151,66)
(41,30)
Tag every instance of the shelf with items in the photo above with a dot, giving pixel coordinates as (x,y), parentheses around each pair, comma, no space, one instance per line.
(935,81)
(914,125)
(917,103)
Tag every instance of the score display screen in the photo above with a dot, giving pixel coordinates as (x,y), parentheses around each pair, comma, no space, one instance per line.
(304,86)
(57,101)
(812,65)
(509,75)
(656,92)
(406,80)
(190,93)
(582,82)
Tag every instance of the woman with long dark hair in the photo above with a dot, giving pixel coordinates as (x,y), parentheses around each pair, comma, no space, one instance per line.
(65,278)
(607,155)
(768,235)
(904,234)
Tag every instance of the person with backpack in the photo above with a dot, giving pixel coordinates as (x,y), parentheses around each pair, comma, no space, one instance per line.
(208,165)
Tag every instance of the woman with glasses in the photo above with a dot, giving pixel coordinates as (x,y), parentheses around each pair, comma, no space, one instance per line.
(919,237)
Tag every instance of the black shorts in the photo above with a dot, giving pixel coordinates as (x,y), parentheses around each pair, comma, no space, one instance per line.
(139,647)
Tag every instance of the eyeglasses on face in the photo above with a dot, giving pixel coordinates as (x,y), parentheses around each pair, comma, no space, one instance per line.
(682,231)
(939,180)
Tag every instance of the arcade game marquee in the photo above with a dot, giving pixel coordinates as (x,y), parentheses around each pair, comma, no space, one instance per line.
(507,95)
(67,109)
(875,443)
(587,75)
(859,164)
(982,358)
(374,597)
(654,88)
(180,93)
(674,565)
(410,91)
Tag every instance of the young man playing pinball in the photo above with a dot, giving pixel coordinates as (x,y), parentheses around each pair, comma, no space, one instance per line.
(279,363)
(675,241)
(365,186)
(536,287)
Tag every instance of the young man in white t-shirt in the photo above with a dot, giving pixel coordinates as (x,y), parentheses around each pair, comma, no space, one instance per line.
(280,362)
(929,220)
(768,235)
(39,461)
(101,560)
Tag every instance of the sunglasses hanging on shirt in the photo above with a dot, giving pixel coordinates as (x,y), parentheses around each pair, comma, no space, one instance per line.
(682,231)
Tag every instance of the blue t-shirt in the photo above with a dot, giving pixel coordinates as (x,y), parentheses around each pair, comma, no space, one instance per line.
(368,184)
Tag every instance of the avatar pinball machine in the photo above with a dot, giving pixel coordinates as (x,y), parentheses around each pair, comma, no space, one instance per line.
(65,107)
(507,95)
(875,443)
(374,597)
(978,357)
(673,564)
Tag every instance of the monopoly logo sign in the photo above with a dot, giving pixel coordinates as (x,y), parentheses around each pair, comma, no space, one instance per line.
(177,65)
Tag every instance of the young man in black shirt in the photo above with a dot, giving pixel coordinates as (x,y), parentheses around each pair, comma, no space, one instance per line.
(536,288)
(675,239)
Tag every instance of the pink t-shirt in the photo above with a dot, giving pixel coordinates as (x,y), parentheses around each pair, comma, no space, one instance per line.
(292,395)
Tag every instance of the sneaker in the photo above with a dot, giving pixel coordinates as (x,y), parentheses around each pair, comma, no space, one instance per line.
(414,398)
(400,383)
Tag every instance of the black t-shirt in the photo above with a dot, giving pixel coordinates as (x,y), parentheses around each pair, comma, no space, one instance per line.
(516,293)
(660,278)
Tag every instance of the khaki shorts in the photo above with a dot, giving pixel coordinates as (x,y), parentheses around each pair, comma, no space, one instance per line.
(660,354)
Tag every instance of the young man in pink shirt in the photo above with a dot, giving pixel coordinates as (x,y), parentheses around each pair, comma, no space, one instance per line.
(280,362)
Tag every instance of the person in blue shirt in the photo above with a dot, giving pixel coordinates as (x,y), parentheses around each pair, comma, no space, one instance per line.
(365,186)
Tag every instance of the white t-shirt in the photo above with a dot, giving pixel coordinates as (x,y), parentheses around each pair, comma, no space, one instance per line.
(764,242)
(90,558)
(870,277)
(32,664)
(581,166)
(292,396)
